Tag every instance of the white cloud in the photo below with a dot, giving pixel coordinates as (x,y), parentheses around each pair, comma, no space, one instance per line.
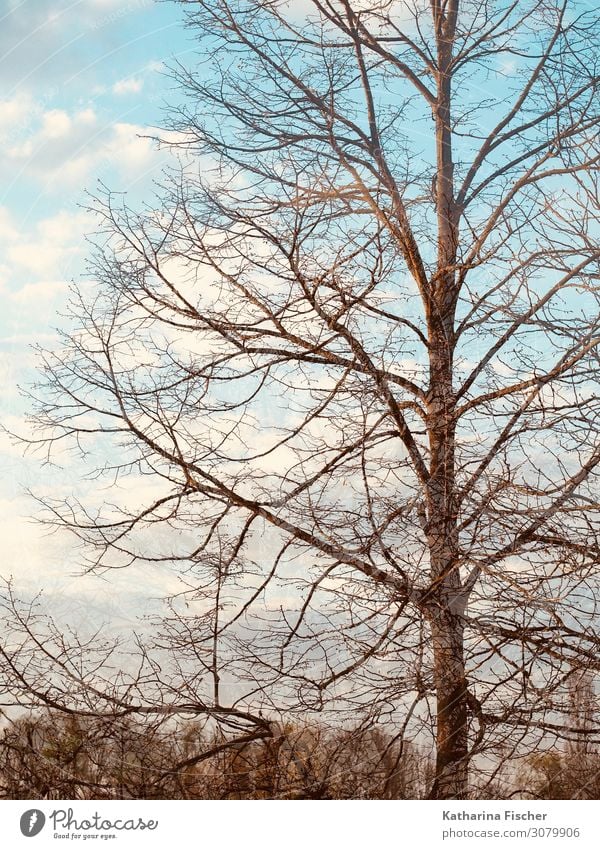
(35,257)
(64,227)
(399,10)
(55,124)
(129,146)
(65,149)
(53,127)
(132,85)
(16,114)
(8,230)
(86,116)
(37,260)
(45,290)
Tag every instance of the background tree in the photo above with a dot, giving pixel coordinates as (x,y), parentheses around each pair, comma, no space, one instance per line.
(52,756)
(349,359)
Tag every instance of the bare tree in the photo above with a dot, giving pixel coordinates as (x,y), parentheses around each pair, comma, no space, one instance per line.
(349,359)
(109,689)
(50,755)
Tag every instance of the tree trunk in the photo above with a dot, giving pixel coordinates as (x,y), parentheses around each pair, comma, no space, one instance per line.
(445,599)
(451,773)
(444,602)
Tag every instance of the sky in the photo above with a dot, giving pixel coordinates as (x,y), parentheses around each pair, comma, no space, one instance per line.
(82,83)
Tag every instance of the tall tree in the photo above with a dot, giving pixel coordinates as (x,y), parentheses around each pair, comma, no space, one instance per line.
(353,351)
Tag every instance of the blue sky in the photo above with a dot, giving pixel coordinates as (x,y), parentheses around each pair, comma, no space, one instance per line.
(79,79)
(82,82)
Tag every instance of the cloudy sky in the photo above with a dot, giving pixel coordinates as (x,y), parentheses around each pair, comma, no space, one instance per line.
(82,82)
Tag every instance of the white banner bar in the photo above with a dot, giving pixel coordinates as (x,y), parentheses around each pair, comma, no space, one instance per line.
(298,825)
